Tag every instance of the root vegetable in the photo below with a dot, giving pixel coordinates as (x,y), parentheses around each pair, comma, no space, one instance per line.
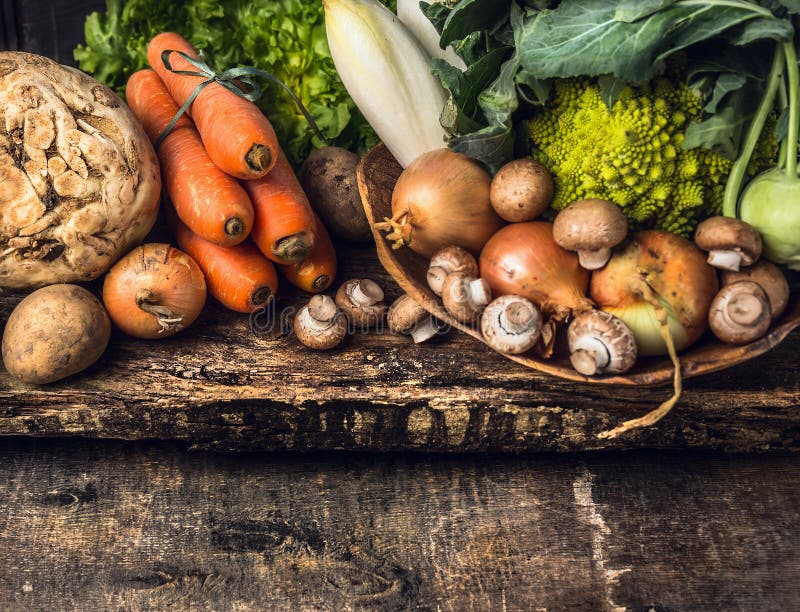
(154,291)
(238,137)
(521,190)
(329,179)
(210,202)
(79,180)
(524,259)
(442,199)
(53,333)
(317,271)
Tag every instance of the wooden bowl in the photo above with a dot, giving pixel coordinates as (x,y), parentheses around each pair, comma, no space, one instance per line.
(377,174)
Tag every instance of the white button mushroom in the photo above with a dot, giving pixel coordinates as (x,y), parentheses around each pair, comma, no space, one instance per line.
(730,243)
(771,279)
(406,316)
(362,302)
(740,313)
(600,343)
(511,324)
(592,228)
(465,296)
(447,260)
(320,325)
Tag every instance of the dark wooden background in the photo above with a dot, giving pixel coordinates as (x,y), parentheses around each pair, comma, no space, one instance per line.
(96,525)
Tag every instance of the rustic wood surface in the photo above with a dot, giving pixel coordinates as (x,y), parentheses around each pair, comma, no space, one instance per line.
(227,384)
(220,385)
(111,526)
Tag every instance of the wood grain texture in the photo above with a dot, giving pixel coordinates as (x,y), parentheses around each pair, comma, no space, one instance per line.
(221,385)
(149,527)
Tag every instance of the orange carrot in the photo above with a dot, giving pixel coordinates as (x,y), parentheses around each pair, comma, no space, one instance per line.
(238,137)
(209,201)
(284,222)
(317,271)
(240,277)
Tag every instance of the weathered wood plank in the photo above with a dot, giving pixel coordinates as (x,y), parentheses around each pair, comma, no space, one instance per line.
(220,385)
(149,527)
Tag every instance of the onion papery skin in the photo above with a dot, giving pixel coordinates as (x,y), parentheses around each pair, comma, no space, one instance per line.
(523,259)
(676,270)
(442,199)
(172,278)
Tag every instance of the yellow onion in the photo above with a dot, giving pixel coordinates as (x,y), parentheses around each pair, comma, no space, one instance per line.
(442,199)
(154,291)
(523,259)
(665,268)
(661,286)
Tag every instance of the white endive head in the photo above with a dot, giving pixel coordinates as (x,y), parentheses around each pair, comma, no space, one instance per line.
(387,73)
(414,19)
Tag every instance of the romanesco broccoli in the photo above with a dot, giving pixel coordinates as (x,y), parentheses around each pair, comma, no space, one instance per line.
(632,155)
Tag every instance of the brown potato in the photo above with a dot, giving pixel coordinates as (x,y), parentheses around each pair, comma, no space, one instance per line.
(521,190)
(329,179)
(53,333)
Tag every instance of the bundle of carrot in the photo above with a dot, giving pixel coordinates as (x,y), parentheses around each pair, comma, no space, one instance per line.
(238,208)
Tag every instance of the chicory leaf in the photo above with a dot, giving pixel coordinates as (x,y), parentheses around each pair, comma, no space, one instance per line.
(493,145)
(473,16)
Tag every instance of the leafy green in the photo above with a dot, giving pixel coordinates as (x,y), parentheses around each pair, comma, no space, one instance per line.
(284,37)
(720,48)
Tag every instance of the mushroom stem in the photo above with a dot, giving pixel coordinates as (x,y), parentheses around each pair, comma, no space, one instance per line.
(517,317)
(594,260)
(589,355)
(727,260)
(320,314)
(366,292)
(744,309)
(478,293)
(424,330)
(436,276)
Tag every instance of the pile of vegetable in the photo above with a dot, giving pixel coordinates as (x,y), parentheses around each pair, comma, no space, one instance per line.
(640,117)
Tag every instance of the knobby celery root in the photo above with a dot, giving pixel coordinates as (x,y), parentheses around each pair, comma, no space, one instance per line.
(79,180)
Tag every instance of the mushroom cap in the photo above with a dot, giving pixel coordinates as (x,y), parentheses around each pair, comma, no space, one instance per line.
(362,301)
(590,225)
(447,260)
(511,324)
(740,313)
(404,314)
(771,279)
(598,330)
(320,325)
(465,296)
(728,234)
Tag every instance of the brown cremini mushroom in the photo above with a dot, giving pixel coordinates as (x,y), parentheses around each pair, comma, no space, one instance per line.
(592,228)
(771,279)
(740,313)
(600,343)
(521,190)
(465,296)
(730,243)
(511,324)
(362,301)
(406,316)
(320,325)
(446,260)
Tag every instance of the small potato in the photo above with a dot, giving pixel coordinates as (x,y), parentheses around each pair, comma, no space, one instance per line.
(521,190)
(53,333)
(329,179)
